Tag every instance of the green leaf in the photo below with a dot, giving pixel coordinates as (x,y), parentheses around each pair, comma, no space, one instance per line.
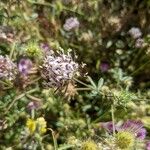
(92,82)
(85,108)
(65,147)
(100,83)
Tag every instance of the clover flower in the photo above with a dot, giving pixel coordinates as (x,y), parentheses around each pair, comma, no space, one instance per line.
(89,145)
(135,32)
(104,66)
(135,127)
(126,133)
(125,140)
(45,47)
(24,66)
(71,23)
(57,70)
(141,133)
(148,145)
(139,43)
(33,50)
(39,124)
(108,126)
(8,69)
(33,105)
(31,125)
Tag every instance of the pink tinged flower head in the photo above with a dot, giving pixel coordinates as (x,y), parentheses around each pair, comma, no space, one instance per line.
(57,70)
(148,145)
(135,127)
(8,69)
(46,48)
(135,33)
(71,23)
(33,105)
(24,66)
(141,134)
(108,126)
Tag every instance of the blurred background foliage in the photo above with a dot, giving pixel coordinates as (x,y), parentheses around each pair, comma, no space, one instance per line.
(118,71)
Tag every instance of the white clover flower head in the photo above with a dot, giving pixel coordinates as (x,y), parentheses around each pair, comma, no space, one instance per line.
(135,32)
(58,69)
(8,69)
(139,43)
(71,23)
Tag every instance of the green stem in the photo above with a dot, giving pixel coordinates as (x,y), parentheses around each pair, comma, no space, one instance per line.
(13,102)
(12,50)
(141,67)
(113,118)
(82,83)
(34,81)
(33,98)
(54,140)
(83,89)
(32,113)
(66,147)
(19,97)
(136,56)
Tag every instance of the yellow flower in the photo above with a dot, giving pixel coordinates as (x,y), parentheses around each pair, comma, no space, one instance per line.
(89,145)
(125,140)
(41,125)
(33,50)
(31,125)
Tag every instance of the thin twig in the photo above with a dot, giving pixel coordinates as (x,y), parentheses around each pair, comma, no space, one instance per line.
(82,83)
(113,118)
(13,102)
(12,50)
(54,140)
(32,97)
(17,98)
(141,67)
(83,89)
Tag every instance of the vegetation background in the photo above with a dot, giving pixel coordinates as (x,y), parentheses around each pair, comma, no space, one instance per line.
(112,39)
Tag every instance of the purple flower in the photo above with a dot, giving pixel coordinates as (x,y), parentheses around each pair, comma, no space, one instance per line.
(148,145)
(141,134)
(108,126)
(24,66)
(131,123)
(33,105)
(104,66)
(135,127)
(132,126)
(46,48)
(71,23)
(135,32)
